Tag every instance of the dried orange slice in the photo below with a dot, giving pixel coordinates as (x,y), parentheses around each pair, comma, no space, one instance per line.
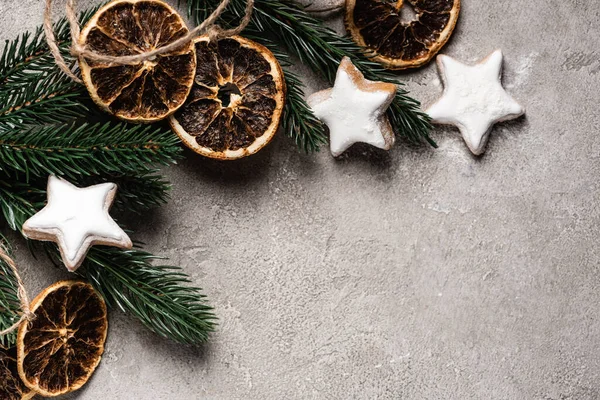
(11,386)
(236,102)
(148,91)
(379,27)
(58,351)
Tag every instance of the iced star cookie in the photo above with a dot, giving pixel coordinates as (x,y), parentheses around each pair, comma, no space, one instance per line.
(76,219)
(354,110)
(473,99)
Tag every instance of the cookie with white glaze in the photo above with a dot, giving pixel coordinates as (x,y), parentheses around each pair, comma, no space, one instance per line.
(76,219)
(473,99)
(354,110)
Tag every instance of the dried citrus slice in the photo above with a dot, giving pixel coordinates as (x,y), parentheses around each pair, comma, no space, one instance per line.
(148,91)
(59,350)
(236,102)
(378,26)
(11,386)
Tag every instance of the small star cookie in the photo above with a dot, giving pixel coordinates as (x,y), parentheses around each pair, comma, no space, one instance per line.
(473,99)
(354,110)
(76,219)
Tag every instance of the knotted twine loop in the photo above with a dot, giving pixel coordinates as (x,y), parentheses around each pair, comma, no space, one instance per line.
(26,314)
(208,26)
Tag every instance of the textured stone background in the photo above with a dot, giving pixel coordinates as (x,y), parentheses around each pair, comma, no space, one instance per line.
(413,274)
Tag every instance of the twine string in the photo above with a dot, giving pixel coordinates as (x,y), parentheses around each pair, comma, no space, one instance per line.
(26,314)
(208,26)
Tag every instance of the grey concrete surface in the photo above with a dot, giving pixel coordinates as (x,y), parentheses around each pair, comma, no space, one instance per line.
(413,274)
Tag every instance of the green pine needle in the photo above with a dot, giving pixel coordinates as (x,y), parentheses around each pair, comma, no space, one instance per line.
(299,122)
(159,296)
(18,200)
(80,149)
(137,194)
(32,87)
(48,124)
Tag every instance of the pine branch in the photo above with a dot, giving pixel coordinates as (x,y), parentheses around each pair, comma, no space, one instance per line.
(40,96)
(322,50)
(299,122)
(80,149)
(136,194)
(32,88)
(30,47)
(159,296)
(58,107)
(10,305)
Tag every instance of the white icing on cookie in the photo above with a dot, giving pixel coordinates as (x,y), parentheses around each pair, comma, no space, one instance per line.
(473,99)
(354,110)
(77,218)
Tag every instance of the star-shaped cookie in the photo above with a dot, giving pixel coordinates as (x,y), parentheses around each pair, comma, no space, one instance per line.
(76,219)
(473,99)
(354,110)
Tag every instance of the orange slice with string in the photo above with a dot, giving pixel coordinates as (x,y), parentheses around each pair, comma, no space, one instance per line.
(144,92)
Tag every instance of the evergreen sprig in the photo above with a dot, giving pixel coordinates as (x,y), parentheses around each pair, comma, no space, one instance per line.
(137,193)
(77,148)
(31,47)
(288,24)
(32,88)
(299,122)
(159,296)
